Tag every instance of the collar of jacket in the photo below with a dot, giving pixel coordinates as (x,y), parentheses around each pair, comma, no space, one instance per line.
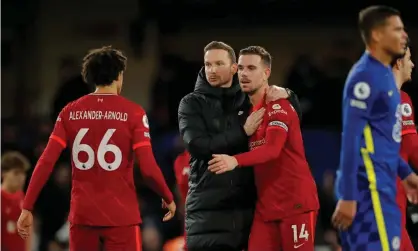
(202,86)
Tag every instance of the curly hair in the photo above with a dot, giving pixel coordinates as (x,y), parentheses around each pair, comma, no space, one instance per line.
(102,66)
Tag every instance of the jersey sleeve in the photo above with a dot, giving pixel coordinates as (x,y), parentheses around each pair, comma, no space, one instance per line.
(408,124)
(59,133)
(404,170)
(141,135)
(409,149)
(43,169)
(278,117)
(360,94)
(276,136)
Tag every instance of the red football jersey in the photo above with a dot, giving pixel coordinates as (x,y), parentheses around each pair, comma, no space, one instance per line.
(408,127)
(285,185)
(101,131)
(182,170)
(11,206)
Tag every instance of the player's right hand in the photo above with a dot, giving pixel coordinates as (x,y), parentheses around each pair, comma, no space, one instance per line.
(253,121)
(222,163)
(171,210)
(24,223)
(276,92)
(344,214)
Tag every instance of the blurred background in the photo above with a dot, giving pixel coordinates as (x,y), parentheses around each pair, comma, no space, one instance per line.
(313,43)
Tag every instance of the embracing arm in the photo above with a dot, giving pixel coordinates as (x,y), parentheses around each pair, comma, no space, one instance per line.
(275,139)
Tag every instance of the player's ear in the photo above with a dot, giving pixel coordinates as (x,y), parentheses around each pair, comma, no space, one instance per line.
(376,35)
(267,72)
(398,64)
(234,68)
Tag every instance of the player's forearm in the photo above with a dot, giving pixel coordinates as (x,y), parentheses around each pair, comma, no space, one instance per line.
(349,159)
(42,172)
(152,173)
(410,144)
(275,139)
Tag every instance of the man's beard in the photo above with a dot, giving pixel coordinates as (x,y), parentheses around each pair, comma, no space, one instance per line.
(222,83)
(396,55)
(252,91)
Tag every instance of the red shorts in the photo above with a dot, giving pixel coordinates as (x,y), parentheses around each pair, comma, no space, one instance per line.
(126,238)
(293,233)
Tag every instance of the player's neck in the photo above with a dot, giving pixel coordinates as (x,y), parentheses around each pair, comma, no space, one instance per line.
(9,189)
(398,79)
(257,96)
(380,55)
(106,90)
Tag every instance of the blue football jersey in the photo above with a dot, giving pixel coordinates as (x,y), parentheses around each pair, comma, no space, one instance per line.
(369,159)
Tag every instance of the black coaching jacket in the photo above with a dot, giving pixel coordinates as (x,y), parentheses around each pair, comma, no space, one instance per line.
(219,208)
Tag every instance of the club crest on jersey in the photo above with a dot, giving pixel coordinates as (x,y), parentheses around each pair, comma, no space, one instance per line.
(145,121)
(406,110)
(361,90)
(276,107)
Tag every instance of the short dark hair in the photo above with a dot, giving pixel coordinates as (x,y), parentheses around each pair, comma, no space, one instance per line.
(260,51)
(102,66)
(14,160)
(373,17)
(217,45)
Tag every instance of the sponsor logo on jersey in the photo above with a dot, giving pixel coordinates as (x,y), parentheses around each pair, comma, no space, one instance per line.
(279,124)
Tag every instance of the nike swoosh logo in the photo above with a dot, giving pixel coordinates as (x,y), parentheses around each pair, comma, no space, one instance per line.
(298,246)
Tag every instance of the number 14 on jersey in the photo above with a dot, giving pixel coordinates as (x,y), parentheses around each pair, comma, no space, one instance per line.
(300,233)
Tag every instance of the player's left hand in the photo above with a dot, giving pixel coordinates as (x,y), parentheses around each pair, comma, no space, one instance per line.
(344,214)
(171,210)
(24,224)
(222,163)
(412,196)
(275,92)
